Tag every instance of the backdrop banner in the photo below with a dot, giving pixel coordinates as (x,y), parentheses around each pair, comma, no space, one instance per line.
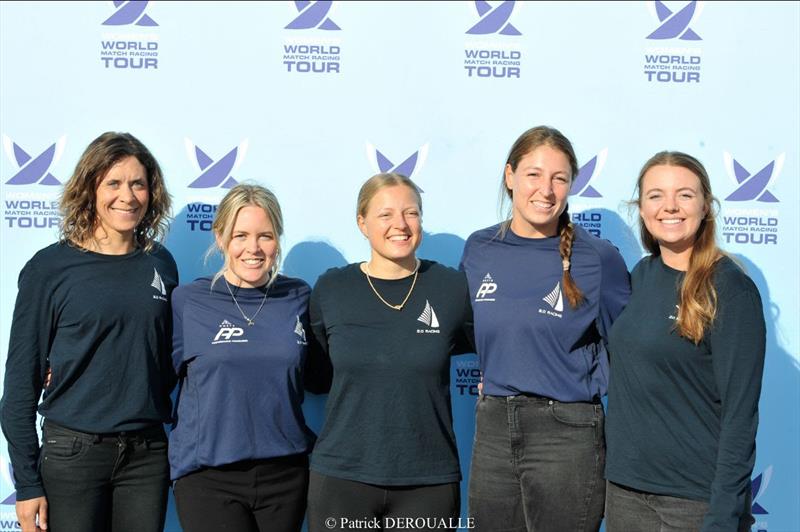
(310,98)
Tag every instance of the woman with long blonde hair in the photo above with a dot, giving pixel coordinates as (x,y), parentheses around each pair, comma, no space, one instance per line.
(687,355)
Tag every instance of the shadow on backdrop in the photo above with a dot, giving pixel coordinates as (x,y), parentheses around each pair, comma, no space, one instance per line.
(308,260)
(777,472)
(188,244)
(615,229)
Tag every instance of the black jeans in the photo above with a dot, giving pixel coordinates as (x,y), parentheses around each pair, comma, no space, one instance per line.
(339,504)
(630,509)
(537,465)
(105,483)
(247,496)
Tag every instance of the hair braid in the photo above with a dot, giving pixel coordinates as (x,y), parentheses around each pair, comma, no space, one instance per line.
(567,235)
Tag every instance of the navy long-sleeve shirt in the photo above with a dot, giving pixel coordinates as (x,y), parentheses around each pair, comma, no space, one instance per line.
(102,325)
(682,418)
(242,386)
(528,338)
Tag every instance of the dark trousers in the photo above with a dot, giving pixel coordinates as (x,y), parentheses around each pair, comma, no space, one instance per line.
(630,509)
(105,483)
(247,496)
(537,465)
(339,504)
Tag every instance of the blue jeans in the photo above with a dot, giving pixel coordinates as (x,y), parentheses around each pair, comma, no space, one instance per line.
(629,509)
(537,465)
(105,483)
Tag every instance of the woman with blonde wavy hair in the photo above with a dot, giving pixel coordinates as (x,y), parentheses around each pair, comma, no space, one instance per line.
(544,293)
(687,355)
(93,312)
(239,447)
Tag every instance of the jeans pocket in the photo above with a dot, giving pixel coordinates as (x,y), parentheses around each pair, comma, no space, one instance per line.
(63,447)
(575,414)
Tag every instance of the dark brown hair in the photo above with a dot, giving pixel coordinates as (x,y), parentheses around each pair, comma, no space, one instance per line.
(78,209)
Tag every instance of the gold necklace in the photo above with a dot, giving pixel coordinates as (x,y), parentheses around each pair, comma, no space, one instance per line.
(405,300)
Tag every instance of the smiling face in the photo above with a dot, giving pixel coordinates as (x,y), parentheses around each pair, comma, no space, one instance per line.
(121,199)
(539,187)
(392,223)
(672,207)
(251,251)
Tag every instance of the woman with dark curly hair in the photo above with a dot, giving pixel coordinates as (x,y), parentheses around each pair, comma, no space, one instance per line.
(93,311)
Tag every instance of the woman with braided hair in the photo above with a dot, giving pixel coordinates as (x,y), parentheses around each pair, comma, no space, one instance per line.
(544,294)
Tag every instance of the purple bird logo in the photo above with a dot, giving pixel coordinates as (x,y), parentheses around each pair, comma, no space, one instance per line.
(410,165)
(312,15)
(130,12)
(33,170)
(753,186)
(675,25)
(215,173)
(494,19)
(581,186)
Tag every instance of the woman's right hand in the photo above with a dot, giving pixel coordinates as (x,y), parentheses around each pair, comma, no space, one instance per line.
(27,512)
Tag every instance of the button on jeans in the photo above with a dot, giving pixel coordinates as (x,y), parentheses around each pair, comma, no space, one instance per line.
(105,483)
(537,465)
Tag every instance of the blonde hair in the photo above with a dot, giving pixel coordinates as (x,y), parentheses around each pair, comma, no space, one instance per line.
(240,196)
(526,143)
(78,207)
(697,298)
(380,181)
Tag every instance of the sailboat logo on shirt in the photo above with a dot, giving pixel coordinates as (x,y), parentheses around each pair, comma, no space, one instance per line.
(556,301)
(158,284)
(300,331)
(674,317)
(428,317)
(555,298)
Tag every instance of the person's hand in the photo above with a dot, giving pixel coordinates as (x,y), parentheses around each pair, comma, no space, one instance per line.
(28,511)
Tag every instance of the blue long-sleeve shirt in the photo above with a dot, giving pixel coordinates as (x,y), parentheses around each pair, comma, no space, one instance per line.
(529,340)
(241,386)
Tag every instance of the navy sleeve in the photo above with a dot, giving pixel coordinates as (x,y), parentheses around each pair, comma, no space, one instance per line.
(615,290)
(318,342)
(465,339)
(178,300)
(172,377)
(738,342)
(318,371)
(316,319)
(32,329)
